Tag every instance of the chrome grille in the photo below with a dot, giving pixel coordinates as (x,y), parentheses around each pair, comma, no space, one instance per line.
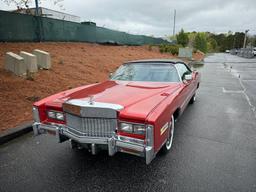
(91,126)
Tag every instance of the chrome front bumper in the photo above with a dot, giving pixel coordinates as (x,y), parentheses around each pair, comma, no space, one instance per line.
(114,144)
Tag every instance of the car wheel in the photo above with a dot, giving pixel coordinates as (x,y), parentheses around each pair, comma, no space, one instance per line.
(168,144)
(193,99)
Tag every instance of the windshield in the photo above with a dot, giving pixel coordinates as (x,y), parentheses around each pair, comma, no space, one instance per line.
(152,72)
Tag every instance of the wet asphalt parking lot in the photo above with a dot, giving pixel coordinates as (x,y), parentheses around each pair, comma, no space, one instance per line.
(214,146)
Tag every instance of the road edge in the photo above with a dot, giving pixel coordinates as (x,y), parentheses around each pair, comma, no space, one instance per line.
(15,132)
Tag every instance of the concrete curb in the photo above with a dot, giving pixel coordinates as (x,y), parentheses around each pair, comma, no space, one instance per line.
(13,133)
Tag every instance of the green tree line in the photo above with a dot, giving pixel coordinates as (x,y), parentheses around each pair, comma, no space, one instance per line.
(210,42)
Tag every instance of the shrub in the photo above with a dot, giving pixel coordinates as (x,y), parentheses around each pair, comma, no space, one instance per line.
(61,61)
(29,76)
(200,42)
(173,49)
(150,47)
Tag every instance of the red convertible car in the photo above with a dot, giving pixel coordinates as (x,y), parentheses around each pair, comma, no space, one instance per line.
(134,112)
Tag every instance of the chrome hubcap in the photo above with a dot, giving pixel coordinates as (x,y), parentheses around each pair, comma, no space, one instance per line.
(194,98)
(170,139)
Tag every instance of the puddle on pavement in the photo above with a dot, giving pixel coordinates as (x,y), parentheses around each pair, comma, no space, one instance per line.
(198,65)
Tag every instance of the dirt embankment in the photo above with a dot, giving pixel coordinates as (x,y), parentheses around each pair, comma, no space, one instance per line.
(73,64)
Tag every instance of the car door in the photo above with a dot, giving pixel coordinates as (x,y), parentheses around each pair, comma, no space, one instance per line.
(187,86)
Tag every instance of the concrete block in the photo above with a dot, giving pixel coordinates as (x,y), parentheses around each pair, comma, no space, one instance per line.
(43,59)
(8,64)
(30,61)
(185,53)
(15,64)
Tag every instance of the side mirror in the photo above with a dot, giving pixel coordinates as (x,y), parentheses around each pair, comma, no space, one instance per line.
(188,77)
(110,75)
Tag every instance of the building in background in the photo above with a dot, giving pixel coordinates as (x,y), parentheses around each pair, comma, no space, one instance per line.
(44,12)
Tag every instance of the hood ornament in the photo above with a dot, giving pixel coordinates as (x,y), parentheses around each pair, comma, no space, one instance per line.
(91,101)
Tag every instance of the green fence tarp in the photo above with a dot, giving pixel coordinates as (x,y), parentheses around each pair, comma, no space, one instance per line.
(15,27)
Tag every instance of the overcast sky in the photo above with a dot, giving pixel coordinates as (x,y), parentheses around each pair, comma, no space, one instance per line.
(155,17)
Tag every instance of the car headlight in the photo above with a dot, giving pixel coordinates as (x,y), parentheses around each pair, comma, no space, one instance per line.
(133,128)
(55,115)
(60,116)
(51,114)
(139,129)
(126,127)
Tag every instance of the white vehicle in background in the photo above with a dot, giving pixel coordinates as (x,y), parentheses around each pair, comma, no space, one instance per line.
(227,51)
(254,51)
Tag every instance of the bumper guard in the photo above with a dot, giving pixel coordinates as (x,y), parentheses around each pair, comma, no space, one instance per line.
(114,144)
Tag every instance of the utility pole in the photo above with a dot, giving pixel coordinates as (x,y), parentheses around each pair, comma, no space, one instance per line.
(38,23)
(37,12)
(174,21)
(245,36)
(234,42)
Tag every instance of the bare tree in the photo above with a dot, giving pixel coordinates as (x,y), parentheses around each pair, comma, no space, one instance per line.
(18,3)
(25,4)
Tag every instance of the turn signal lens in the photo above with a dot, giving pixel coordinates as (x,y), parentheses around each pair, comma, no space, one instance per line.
(36,114)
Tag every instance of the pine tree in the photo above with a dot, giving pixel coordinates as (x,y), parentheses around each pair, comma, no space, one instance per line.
(182,38)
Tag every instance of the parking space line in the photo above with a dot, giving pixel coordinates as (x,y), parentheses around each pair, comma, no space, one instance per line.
(241,92)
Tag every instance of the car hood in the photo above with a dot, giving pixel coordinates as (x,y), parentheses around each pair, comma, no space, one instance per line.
(137,98)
